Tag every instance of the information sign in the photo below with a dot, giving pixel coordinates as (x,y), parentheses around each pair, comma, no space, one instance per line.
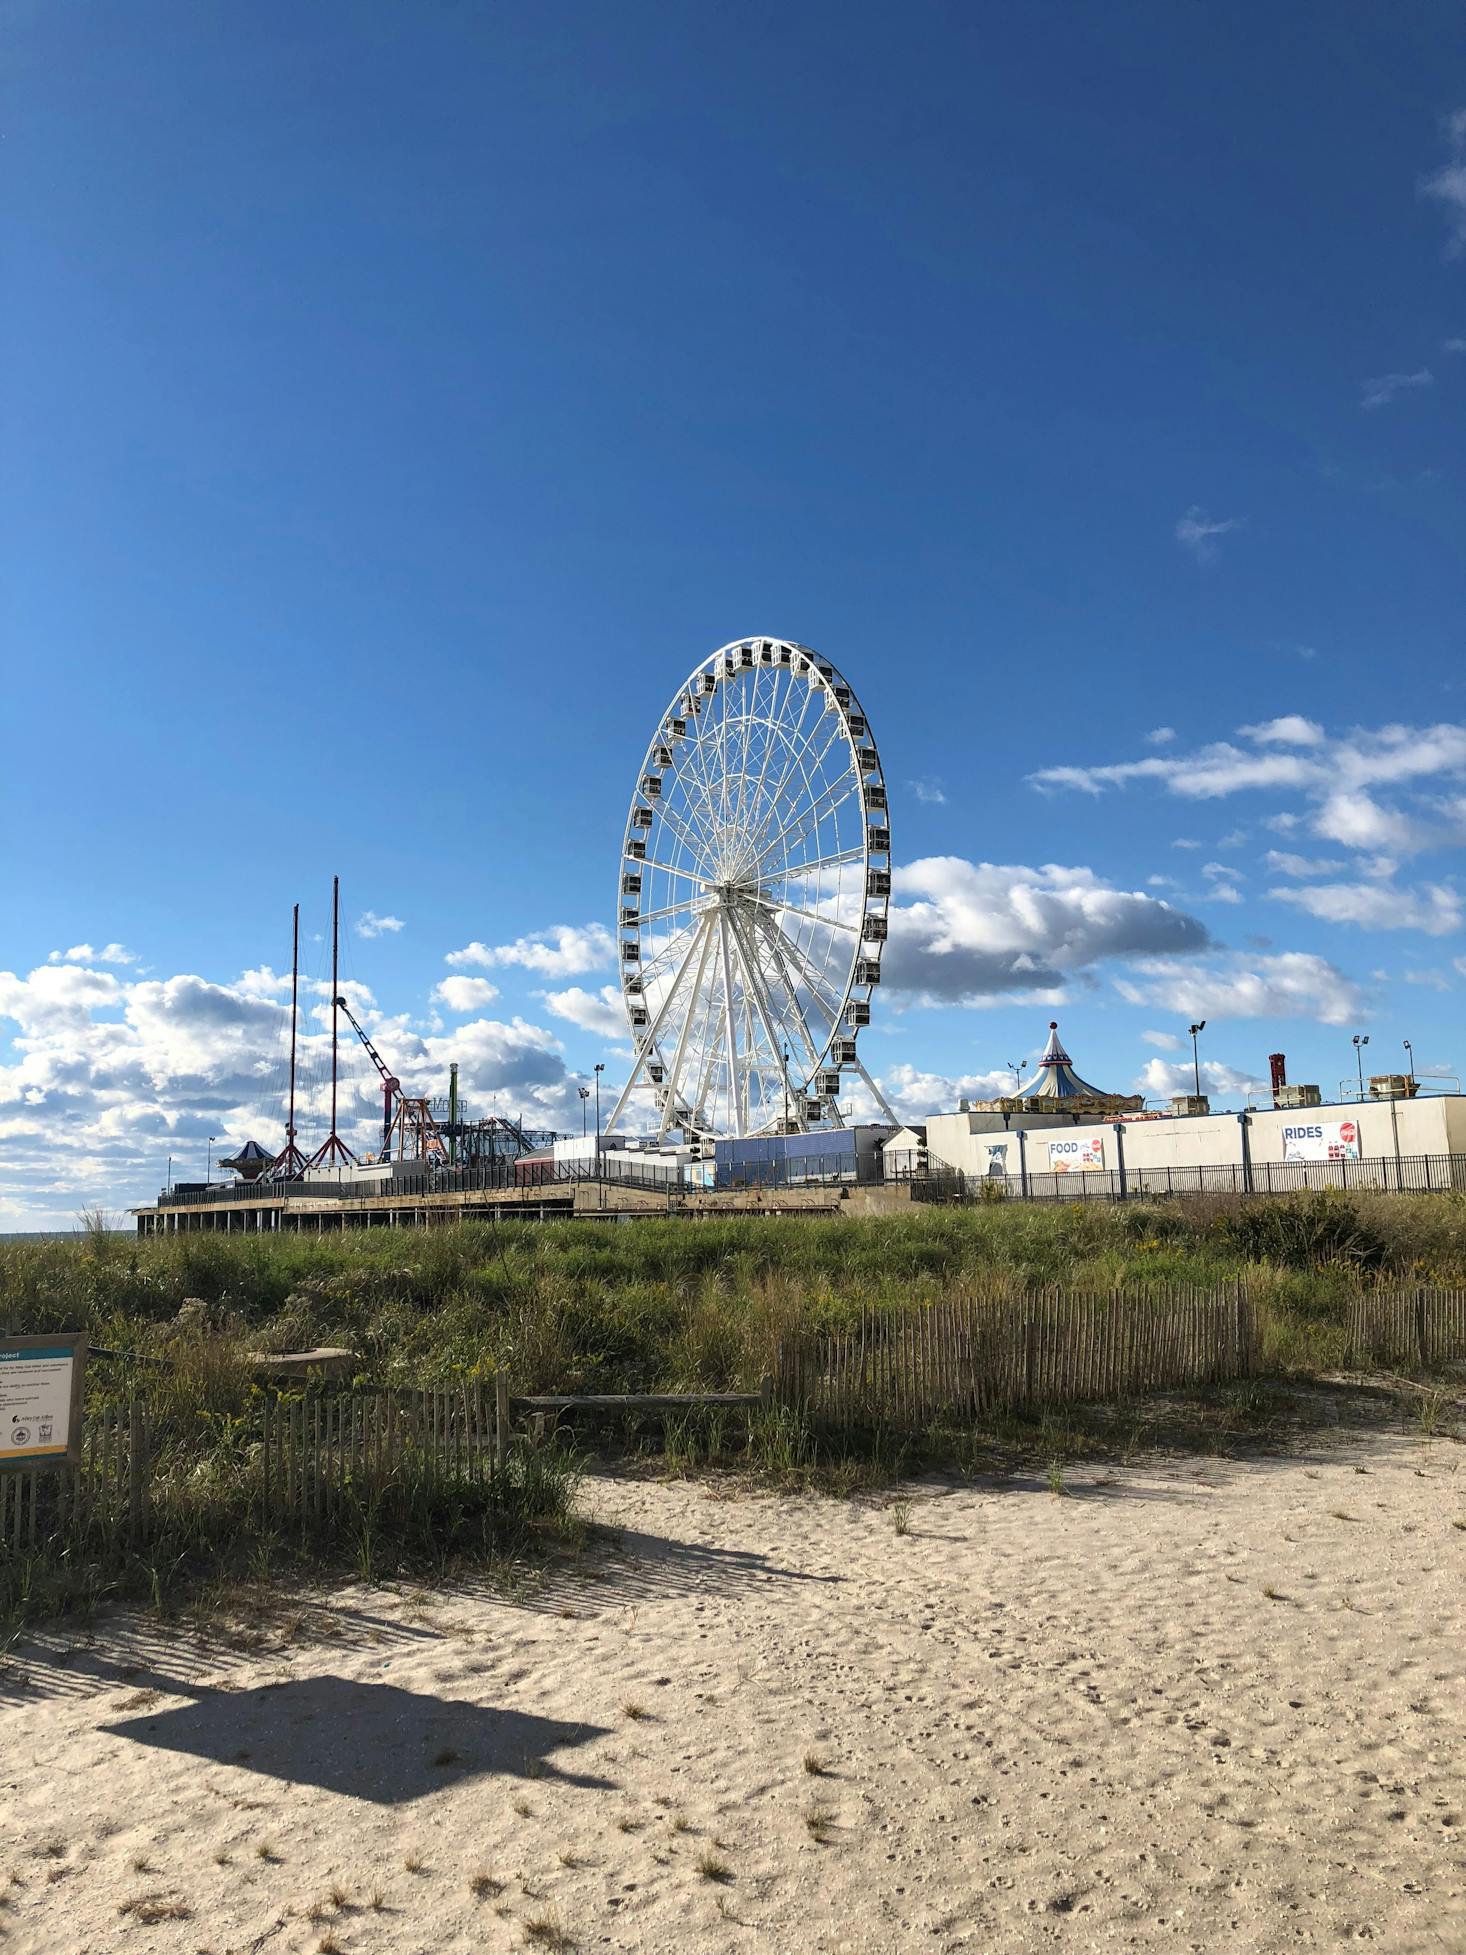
(40,1399)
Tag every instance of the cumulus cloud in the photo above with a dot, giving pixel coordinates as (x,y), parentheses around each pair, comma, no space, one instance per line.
(1160,736)
(1435,908)
(914,1094)
(465,994)
(1447,185)
(1166,1041)
(85,954)
(1348,780)
(1381,391)
(928,790)
(1291,984)
(968,932)
(1283,863)
(601,1012)
(1159,1079)
(105,1078)
(563,951)
(1291,730)
(1198,532)
(369,924)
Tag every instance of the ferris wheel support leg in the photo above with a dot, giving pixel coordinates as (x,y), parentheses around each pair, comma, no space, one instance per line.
(881,1101)
(643,1057)
(758,992)
(736,1097)
(669,1098)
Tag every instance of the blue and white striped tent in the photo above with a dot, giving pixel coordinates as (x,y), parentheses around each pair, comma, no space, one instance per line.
(1056,1078)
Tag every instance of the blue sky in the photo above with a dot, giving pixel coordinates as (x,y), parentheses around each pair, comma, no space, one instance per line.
(399,402)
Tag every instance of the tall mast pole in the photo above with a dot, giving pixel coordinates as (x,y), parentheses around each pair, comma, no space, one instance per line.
(289,1162)
(333,1148)
(335,987)
(294,1008)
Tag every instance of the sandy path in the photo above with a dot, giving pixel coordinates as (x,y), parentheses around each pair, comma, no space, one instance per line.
(1050,1722)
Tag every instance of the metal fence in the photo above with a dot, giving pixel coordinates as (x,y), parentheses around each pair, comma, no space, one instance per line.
(932,1182)
(1402,1174)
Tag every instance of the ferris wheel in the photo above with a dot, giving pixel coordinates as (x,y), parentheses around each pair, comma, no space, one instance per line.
(754,897)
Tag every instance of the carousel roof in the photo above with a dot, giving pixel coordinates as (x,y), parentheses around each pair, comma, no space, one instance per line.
(1056,1078)
(248,1155)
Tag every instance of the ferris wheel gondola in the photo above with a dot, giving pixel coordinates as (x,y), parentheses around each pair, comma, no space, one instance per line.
(754,897)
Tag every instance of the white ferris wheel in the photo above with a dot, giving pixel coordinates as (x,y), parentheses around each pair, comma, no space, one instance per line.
(754,897)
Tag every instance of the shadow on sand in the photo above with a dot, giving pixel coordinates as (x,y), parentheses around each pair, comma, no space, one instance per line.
(366,1740)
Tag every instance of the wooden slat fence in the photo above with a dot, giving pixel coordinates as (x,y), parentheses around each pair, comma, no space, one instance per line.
(970,1359)
(306,1459)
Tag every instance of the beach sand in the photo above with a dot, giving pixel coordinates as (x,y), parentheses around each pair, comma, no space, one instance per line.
(1197,1705)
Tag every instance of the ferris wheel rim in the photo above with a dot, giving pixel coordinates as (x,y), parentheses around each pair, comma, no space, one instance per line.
(727,863)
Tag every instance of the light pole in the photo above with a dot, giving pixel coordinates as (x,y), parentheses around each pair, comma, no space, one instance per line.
(209,1167)
(1196,1031)
(1017,1072)
(170,1174)
(600,1187)
(1409,1059)
(1359,1045)
(786,1089)
(584,1096)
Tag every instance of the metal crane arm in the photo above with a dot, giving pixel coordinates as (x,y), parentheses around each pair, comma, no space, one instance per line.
(388,1076)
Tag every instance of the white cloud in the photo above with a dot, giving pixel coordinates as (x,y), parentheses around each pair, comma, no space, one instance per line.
(928,790)
(1159,1080)
(915,1094)
(563,951)
(1167,1041)
(1380,392)
(1290,984)
(966,932)
(1433,980)
(1448,184)
(1233,839)
(1435,909)
(107,1077)
(1291,730)
(601,1012)
(1282,863)
(85,954)
(369,924)
(1185,842)
(1215,871)
(465,994)
(1339,775)
(1360,822)
(1160,736)
(1198,532)
(1453,346)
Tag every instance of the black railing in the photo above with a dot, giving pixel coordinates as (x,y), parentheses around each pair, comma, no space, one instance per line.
(1403,1174)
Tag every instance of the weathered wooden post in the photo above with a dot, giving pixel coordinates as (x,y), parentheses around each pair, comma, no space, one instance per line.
(501,1417)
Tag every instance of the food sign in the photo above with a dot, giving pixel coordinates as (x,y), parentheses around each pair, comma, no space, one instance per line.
(40,1399)
(1321,1140)
(1068,1156)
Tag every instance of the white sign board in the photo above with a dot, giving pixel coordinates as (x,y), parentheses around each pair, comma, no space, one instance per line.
(1321,1140)
(1069,1156)
(40,1399)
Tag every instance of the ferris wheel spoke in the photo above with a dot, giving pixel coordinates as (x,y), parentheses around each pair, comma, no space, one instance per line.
(815,812)
(791,990)
(697,847)
(836,861)
(815,916)
(798,758)
(672,909)
(814,976)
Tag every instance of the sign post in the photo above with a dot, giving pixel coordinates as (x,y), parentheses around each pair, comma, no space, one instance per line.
(41,1399)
